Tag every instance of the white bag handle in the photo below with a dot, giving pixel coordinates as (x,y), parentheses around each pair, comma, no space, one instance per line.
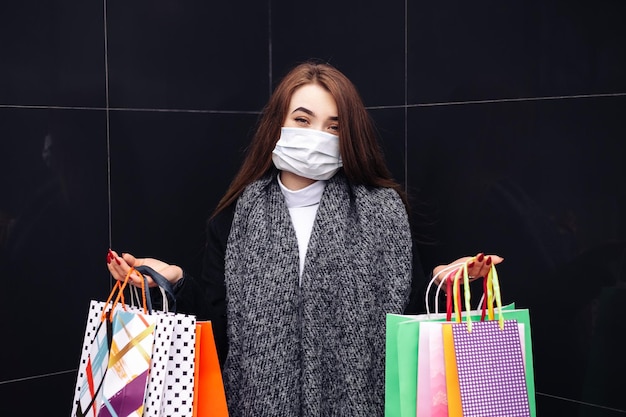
(432,281)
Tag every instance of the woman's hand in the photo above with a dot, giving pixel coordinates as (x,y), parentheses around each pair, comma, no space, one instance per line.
(119,267)
(478,266)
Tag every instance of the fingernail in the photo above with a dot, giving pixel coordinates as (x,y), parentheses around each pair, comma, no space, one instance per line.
(488,261)
(480,257)
(470,264)
(108,258)
(118,261)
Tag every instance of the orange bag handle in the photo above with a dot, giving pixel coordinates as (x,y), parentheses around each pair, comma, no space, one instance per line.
(118,289)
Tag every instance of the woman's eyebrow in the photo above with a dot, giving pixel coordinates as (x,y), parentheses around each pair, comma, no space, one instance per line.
(310,113)
(305,110)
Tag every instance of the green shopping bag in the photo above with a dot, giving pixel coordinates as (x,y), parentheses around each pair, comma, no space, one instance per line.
(401,347)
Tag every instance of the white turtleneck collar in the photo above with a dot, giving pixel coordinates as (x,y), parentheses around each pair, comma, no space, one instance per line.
(302,205)
(307,196)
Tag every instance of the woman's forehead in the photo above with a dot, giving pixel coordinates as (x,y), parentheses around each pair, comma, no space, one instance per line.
(315,99)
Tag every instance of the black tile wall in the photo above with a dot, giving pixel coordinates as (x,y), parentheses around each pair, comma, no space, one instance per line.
(168,173)
(390,125)
(539,183)
(461,51)
(365,40)
(188,54)
(52,53)
(503,121)
(54,231)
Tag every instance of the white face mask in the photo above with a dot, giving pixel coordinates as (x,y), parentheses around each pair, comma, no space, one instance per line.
(308,153)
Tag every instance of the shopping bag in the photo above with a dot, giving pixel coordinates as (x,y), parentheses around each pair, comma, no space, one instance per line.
(453,389)
(93,362)
(431,396)
(401,356)
(95,354)
(489,369)
(484,361)
(163,333)
(129,362)
(402,345)
(172,377)
(209,396)
(115,358)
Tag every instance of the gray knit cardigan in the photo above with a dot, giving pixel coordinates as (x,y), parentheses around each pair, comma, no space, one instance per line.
(315,349)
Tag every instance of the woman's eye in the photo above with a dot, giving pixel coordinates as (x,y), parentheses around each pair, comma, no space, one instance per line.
(334,128)
(301,120)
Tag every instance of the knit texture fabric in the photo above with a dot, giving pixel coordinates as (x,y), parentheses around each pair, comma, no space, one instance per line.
(315,349)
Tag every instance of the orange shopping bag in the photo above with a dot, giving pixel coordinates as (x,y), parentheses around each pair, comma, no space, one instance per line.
(209,398)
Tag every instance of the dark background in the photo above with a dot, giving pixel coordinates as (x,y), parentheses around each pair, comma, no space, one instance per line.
(503,120)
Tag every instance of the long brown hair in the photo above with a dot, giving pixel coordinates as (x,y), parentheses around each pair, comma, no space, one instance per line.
(363,160)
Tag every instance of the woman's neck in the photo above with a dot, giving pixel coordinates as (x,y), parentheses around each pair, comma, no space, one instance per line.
(294,182)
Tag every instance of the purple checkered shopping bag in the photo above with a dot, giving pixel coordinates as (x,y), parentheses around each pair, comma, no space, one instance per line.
(491,370)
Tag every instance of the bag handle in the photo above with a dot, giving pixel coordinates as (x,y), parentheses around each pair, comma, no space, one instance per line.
(166,287)
(448,272)
(118,292)
(493,292)
(452,276)
(432,281)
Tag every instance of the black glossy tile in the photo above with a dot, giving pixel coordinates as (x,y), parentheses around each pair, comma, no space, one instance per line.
(390,126)
(52,53)
(188,55)
(54,396)
(540,183)
(168,172)
(364,40)
(462,51)
(54,233)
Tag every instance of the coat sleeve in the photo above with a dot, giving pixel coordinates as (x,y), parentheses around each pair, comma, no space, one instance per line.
(416,304)
(205,296)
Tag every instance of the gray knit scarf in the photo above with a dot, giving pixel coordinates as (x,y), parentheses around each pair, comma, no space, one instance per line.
(315,349)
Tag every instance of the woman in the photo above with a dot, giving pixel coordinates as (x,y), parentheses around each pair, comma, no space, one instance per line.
(307,251)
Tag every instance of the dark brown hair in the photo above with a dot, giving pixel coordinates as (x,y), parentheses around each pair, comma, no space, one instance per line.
(363,160)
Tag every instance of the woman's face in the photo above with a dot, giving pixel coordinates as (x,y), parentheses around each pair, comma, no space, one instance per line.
(313,107)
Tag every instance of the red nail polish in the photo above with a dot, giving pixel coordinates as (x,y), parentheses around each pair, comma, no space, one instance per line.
(488,261)
(470,264)
(480,257)
(108,259)
(118,261)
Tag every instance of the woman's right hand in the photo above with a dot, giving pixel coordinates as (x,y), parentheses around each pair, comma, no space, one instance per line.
(119,266)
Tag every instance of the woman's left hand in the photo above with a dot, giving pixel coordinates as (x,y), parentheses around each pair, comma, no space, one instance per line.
(478,266)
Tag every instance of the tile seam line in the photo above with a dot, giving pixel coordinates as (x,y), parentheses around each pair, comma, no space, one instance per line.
(16,380)
(501,100)
(435,104)
(129,109)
